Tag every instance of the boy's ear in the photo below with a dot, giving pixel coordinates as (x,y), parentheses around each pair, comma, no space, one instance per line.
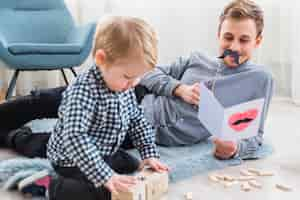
(258,40)
(100,57)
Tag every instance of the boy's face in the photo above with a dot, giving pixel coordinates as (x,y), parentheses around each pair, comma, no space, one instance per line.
(240,36)
(124,73)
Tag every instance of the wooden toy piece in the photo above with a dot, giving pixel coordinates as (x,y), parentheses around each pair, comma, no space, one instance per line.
(188,196)
(246,178)
(266,173)
(245,187)
(228,178)
(213,178)
(283,187)
(245,172)
(219,177)
(254,171)
(229,184)
(255,184)
(156,183)
(137,192)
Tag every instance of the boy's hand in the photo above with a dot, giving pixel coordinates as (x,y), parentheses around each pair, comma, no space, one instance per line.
(154,164)
(224,149)
(120,183)
(189,93)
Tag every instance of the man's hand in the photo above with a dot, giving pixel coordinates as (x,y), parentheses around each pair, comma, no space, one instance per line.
(189,93)
(224,149)
(120,183)
(154,164)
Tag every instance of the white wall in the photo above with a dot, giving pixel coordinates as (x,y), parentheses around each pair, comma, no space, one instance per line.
(181,27)
(295,55)
(185,26)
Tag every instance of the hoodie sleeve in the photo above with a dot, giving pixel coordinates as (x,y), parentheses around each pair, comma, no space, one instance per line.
(248,147)
(164,79)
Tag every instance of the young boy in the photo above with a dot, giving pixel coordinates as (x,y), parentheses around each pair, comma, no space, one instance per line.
(97,112)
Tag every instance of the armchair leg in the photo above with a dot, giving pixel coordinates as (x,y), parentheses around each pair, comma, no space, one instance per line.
(12,84)
(73,71)
(65,77)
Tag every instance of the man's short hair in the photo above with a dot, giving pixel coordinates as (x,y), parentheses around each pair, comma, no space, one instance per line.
(244,9)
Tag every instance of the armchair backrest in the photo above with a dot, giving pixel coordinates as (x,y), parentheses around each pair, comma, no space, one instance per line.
(35,21)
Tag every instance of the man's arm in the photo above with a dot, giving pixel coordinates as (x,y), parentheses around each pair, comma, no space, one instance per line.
(163,80)
(247,147)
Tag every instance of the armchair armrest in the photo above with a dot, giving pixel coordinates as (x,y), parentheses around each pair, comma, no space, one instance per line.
(3,41)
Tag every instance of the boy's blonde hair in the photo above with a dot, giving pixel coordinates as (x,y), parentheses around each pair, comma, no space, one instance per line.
(244,9)
(119,36)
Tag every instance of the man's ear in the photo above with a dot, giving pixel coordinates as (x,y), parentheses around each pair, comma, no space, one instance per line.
(258,41)
(100,57)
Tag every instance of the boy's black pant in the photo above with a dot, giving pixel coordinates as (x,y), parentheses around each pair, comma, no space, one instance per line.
(38,105)
(17,112)
(72,183)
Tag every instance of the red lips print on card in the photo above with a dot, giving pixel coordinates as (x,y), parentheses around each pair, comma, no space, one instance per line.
(240,121)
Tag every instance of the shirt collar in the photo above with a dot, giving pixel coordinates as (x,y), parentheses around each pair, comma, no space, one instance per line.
(100,80)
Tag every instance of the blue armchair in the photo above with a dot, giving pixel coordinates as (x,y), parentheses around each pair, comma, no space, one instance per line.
(41,35)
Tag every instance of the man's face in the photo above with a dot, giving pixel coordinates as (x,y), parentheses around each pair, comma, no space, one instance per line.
(240,36)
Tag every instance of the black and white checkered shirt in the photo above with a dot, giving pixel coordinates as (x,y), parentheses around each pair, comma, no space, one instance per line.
(93,122)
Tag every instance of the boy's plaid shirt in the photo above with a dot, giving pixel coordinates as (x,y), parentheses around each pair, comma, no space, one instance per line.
(93,122)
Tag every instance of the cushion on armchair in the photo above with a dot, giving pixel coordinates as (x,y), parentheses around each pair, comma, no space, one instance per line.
(44,48)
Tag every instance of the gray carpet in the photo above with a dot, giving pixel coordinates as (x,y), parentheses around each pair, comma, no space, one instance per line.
(196,159)
(184,161)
